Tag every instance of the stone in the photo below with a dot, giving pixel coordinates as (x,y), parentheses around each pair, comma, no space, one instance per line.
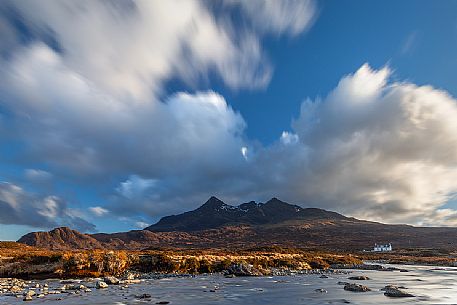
(30,293)
(356,288)
(394,292)
(101,285)
(111,280)
(321,290)
(359,278)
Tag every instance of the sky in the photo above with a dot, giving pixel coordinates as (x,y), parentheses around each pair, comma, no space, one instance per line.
(114,114)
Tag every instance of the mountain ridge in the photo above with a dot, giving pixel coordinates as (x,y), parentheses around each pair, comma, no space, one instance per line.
(215,213)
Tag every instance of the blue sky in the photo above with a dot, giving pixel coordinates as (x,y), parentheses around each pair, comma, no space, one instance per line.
(109,125)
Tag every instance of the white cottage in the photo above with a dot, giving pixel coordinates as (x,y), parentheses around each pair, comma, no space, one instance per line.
(382,248)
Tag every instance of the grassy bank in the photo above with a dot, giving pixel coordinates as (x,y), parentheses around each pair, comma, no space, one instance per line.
(28,262)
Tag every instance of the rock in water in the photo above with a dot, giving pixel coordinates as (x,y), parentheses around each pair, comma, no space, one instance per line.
(101,285)
(395,292)
(359,278)
(356,288)
(111,280)
(28,295)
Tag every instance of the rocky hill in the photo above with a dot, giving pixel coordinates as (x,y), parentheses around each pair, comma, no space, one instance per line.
(215,213)
(60,239)
(274,223)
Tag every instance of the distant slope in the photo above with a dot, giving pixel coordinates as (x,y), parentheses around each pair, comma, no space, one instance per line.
(274,223)
(215,213)
(60,239)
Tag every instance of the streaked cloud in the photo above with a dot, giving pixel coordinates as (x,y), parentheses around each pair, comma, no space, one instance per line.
(37,175)
(18,206)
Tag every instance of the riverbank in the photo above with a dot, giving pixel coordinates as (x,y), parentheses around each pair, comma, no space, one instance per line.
(25,262)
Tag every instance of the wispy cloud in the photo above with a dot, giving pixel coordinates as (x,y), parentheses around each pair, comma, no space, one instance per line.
(98,211)
(17,206)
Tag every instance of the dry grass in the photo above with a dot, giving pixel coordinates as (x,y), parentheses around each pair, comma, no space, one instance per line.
(24,261)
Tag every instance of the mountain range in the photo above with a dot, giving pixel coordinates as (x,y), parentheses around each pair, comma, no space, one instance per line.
(273,223)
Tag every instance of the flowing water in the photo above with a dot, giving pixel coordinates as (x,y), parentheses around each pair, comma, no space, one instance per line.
(429,285)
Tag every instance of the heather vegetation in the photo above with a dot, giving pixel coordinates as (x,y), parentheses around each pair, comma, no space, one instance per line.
(22,261)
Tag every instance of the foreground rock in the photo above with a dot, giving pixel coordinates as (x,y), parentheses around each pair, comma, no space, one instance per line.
(101,285)
(395,292)
(356,288)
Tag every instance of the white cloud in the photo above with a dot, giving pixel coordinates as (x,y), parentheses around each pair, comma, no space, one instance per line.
(75,126)
(244,152)
(130,49)
(98,211)
(377,150)
(291,16)
(135,186)
(142,224)
(288,138)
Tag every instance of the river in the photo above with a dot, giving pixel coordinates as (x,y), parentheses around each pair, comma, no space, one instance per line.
(429,285)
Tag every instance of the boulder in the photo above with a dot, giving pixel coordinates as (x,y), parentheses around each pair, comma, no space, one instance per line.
(111,280)
(28,295)
(395,292)
(356,287)
(101,285)
(359,278)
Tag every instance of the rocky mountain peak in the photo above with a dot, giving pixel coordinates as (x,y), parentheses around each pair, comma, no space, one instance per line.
(213,203)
